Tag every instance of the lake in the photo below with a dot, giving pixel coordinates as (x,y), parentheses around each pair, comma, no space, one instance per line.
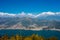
(44,33)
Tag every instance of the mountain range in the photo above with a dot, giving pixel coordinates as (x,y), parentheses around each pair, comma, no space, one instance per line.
(29,20)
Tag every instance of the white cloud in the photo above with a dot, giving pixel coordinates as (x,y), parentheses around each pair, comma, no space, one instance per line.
(6,14)
(22,14)
(1,13)
(57,13)
(48,13)
(45,14)
(29,14)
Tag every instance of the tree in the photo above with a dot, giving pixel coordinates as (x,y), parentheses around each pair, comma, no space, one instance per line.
(19,37)
(36,37)
(12,38)
(28,38)
(5,37)
(1,39)
(53,38)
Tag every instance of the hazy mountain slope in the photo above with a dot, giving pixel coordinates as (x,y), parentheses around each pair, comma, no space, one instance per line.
(52,20)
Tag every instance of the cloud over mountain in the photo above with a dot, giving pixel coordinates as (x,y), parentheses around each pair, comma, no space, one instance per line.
(10,20)
(7,14)
(23,14)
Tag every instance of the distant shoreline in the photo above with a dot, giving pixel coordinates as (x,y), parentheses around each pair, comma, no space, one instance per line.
(34,30)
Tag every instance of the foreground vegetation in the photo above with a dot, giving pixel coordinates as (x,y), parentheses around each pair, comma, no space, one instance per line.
(32,37)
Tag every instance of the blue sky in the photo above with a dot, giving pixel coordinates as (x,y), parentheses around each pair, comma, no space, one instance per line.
(29,6)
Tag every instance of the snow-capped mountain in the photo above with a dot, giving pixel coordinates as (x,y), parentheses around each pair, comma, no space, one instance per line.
(29,20)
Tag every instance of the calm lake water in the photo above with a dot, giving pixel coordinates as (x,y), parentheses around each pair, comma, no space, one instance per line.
(44,33)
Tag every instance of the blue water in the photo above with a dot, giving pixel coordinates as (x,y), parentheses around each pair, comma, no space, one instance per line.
(44,33)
